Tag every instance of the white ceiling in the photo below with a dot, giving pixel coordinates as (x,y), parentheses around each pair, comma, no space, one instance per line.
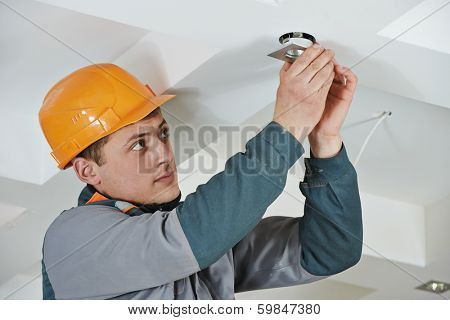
(8,213)
(32,61)
(212,54)
(421,30)
(256,26)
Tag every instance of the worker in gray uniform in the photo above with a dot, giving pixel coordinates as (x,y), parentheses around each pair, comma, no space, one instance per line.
(130,237)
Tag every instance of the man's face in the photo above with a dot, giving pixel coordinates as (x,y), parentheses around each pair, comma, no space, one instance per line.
(139,163)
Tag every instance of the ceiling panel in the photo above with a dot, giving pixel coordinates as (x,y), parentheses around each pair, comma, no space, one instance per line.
(430,33)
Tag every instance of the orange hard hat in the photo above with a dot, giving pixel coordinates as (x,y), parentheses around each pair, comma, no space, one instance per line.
(91,103)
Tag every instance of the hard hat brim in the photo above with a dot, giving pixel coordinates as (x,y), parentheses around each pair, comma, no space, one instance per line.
(138,113)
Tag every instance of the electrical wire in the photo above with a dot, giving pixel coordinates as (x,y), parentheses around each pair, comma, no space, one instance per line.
(383,116)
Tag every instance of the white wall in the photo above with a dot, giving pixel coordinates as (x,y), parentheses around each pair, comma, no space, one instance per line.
(393,229)
(437,224)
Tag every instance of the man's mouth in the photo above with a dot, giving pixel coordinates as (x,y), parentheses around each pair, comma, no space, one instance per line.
(167,177)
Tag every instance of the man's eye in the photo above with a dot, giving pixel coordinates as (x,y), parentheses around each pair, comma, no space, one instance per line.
(138,145)
(165,133)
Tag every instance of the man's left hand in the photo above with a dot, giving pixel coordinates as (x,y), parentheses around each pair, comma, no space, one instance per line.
(325,139)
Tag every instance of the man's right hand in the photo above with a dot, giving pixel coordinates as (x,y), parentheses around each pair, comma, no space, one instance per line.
(303,89)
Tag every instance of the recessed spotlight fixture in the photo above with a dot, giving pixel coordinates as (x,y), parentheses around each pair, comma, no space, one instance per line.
(294,43)
(434,286)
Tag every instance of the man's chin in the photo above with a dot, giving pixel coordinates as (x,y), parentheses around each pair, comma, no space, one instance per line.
(168,195)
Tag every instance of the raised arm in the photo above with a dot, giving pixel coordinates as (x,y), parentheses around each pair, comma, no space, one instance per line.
(286,251)
(223,211)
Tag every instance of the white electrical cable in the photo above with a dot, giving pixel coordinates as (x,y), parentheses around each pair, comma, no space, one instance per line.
(383,116)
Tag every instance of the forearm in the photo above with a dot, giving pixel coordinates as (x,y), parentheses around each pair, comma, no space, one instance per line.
(222,211)
(331,228)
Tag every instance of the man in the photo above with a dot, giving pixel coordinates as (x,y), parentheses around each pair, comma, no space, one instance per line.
(130,237)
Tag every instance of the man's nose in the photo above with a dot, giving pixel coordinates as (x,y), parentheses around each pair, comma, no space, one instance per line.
(163,152)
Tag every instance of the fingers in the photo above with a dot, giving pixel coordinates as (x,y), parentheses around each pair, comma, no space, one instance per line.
(329,82)
(337,91)
(318,64)
(345,91)
(338,78)
(305,59)
(352,79)
(346,78)
(322,76)
(284,68)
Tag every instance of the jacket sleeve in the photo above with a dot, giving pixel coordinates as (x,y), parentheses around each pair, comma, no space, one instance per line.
(327,239)
(222,211)
(98,252)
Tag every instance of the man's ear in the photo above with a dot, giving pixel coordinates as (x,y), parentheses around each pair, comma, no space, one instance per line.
(86,170)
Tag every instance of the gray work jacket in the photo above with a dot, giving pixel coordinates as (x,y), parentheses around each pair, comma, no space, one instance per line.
(214,243)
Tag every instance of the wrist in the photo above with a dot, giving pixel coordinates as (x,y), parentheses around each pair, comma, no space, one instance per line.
(299,131)
(324,146)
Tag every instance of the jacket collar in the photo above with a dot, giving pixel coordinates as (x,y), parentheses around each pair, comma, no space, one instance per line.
(90,195)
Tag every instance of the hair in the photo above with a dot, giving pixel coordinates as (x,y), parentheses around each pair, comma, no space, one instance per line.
(94,151)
